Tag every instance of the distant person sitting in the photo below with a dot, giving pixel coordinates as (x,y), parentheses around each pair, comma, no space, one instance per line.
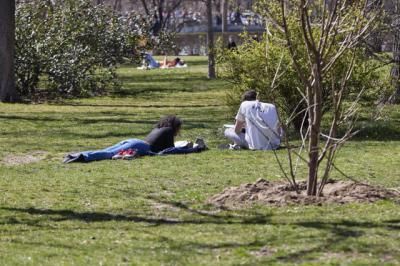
(160,141)
(257,125)
(231,43)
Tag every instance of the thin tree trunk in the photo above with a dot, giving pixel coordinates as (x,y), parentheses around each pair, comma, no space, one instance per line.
(7,47)
(210,41)
(224,13)
(395,71)
(315,115)
(118,5)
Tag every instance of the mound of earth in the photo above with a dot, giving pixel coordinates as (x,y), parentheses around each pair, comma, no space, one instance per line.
(279,193)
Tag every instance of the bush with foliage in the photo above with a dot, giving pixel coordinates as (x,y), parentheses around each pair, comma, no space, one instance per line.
(256,64)
(247,67)
(72,48)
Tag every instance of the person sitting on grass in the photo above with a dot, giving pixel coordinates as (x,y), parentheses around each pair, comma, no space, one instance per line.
(160,141)
(257,125)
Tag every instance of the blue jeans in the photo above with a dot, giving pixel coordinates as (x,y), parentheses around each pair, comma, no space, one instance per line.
(151,62)
(141,147)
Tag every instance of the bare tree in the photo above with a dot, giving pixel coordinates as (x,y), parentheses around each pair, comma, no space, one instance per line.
(317,35)
(395,71)
(7,41)
(161,11)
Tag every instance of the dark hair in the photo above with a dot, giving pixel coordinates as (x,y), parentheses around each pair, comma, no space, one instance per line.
(177,60)
(170,121)
(249,95)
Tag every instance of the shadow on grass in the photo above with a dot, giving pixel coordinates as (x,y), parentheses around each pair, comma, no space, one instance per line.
(122,135)
(382,131)
(82,120)
(91,217)
(188,125)
(165,78)
(148,91)
(190,61)
(186,248)
(371,130)
(339,232)
(112,119)
(186,208)
(30,118)
(140,105)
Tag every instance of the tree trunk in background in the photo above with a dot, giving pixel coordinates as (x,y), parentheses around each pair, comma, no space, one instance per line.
(118,5)
(7,46)
(162,12)
(224,14)
(210,41)
(395,71)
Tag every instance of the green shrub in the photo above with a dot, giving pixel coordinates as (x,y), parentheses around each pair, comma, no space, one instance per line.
(29,34)
(248,67)
(74,47)
(254,66)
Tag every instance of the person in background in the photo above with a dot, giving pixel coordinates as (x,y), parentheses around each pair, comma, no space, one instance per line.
(237,17)
(231,43)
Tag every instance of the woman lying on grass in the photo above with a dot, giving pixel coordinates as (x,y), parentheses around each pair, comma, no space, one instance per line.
(160,141)
(150,63)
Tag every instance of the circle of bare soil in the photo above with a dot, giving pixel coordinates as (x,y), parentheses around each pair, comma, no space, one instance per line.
(280,193)
(18,159)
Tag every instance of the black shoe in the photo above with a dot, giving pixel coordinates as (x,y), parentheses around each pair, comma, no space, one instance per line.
(76,157)
(200,144)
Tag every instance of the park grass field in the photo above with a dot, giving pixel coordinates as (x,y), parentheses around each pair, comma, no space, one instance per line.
(153,210)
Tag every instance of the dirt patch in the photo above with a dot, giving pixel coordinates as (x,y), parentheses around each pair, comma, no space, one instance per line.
(33,157)
(264,252)
(279,193)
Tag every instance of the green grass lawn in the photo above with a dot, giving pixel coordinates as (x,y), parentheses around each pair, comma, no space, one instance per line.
(152,211)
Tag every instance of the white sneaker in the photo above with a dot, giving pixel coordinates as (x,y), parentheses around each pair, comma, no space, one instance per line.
(234,147)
